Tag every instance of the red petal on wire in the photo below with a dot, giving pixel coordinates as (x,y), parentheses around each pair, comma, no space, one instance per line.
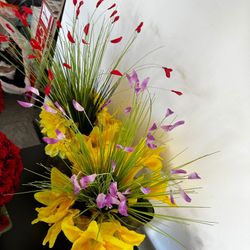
(112,6)
(35,44)
(31,56)
(3,38)
(116,19)
(27,10)
(58,24)
(167,71)
(47,89)
(116,40)
(67,66)
(138,29)
(9,27)
(98,3)
(116,72)
(75,2)
(50,75)
(78,8)
(71,39)
(179,93)
(84,42)
(113,13)
(86,29)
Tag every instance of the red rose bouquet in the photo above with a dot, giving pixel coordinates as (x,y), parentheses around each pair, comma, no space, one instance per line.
(10,169)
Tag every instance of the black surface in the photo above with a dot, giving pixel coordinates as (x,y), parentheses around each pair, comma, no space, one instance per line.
(23,235)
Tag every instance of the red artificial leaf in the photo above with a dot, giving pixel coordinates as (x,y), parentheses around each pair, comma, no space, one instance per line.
(78,9)
(116,19)
(67,66)
(116,40)
(31,56)
(50,75)
(9,27)
(112,6)
(58,24)
(177,92)
(113,13)
(71,39)
(84,42)
(98,3)
(3,38)
(167,71)
(35,44)
(27,10)
(86,29)
(138,29)
(75,2)
(47,89)
(116,72)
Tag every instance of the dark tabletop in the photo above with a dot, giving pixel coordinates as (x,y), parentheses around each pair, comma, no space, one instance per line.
(23,235)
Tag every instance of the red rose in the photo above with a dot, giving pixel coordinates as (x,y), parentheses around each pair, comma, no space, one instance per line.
(10,169)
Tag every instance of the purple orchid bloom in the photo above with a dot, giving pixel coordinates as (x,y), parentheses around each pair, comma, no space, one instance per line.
(75,183)
(86,180)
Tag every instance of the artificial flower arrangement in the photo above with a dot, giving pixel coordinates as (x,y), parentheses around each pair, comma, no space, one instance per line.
(115,181)
(10,170)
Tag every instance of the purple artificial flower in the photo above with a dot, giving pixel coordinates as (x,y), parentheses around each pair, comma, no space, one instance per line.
(33,90)
(60,108)
(109,201)
(193,176)
(144,84)
(49,109)
(113,189)
(122,208)
(101,200)
(133,79)
(146,190)
(75,183)
(86,180)
(185,196)
(154,127)
(106,104)
(172,197)
(113,166)
(60,135)
(149,141)
(128,149)
(50,140)
(25,104)
(168,112)
(178,171)
(127,110)
(77,106)
(119,146)
(169,128)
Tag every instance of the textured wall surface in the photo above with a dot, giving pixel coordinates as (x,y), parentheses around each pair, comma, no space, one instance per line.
(207,43)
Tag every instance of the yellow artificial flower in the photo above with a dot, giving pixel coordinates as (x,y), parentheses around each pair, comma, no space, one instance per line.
(49,123)
(104,236)
(57,203)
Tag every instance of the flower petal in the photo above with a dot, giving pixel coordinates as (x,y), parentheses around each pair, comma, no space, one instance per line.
(172,197)
(116,40)
(113,165)
(106,104)
(50,140)
(58,24)
(86,29)
(77,106)
(144,84)
(116,72)
(86,180)
(139,27)
(127,110)
(77,187)
(33,90)
(49,109)
(128,149)
(145,190)
(25,104)
(179,93)
(116,19)
(168,112)
(113,13)
(9,27)
(113,189)
(133,78)
(100,200)
(67,66)
(60,135)
(59,107)
(122,208)
(167,71)
(169,128)
(84,42)
(178,171)
(112,6)
(47,89)
(70,38)
(154,127)
(98,3)
(193,176)
(185,196)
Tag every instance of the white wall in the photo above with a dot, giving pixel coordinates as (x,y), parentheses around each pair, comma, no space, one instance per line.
(207,43)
